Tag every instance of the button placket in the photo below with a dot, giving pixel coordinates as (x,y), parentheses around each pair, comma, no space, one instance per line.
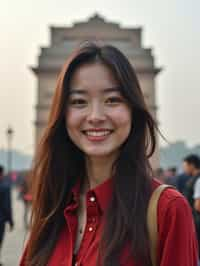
(91,212)
(91,225)
(92,199)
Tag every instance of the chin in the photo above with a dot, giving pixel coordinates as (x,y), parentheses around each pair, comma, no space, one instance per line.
(99,154)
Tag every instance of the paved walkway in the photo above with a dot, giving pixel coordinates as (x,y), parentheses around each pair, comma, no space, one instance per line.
(13,244)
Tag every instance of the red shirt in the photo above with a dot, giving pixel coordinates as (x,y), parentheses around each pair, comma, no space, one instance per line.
(177,245)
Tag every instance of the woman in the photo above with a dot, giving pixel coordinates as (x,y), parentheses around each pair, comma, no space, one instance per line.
(92,179)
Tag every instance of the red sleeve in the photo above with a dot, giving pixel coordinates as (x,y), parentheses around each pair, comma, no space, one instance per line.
(177,237)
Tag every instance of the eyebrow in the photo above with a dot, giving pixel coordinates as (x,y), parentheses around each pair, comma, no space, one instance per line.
(82,91)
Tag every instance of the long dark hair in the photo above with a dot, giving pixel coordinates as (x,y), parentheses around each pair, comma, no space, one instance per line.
(58,164)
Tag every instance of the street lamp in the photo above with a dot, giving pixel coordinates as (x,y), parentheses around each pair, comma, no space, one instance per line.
(9,134)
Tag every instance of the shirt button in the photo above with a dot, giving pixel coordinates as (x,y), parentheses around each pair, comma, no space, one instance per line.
(92,199)
(90,229)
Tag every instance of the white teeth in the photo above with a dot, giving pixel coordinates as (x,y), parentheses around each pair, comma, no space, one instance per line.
(97,134)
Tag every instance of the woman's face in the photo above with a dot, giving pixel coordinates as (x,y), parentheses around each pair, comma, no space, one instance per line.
(98,118)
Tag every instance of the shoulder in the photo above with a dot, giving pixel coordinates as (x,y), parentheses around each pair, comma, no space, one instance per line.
(174,212)
(172,204)
(172,201)
(176,230)
(168,195)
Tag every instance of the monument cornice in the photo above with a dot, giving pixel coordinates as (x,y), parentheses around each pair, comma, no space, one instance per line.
(41,70)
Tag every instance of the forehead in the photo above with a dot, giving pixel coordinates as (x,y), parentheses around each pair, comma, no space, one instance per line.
(93,76)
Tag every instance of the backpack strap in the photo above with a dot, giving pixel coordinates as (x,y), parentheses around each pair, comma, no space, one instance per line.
(152,223)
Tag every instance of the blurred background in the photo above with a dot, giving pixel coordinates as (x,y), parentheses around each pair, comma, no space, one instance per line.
(170,41)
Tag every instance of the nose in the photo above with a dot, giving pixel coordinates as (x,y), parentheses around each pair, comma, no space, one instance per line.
(96,113)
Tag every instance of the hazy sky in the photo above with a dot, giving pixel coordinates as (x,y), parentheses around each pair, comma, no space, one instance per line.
(171,27)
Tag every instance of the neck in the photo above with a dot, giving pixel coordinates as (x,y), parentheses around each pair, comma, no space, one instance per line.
(98,170)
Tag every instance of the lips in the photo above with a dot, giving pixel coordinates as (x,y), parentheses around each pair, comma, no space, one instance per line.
(97,134)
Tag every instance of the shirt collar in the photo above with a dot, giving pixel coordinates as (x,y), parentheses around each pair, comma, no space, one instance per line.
(102,192)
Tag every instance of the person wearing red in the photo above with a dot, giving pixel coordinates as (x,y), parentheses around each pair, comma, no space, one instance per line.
(92,180)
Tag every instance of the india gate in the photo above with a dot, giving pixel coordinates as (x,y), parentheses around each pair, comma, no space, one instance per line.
(64,39)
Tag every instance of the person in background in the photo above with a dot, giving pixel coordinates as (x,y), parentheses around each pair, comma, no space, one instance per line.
(25,196)
(159,173)
(181,182)
(5,208)
(191,166)
(170,176)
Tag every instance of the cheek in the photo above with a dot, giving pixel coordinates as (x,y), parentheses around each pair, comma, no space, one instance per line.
(122,117)
(187,169)
(72,120)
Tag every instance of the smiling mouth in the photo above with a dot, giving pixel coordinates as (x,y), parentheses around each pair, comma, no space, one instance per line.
(97,133)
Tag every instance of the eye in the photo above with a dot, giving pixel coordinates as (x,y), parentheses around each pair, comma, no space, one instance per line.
(114,100)
(77,102)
